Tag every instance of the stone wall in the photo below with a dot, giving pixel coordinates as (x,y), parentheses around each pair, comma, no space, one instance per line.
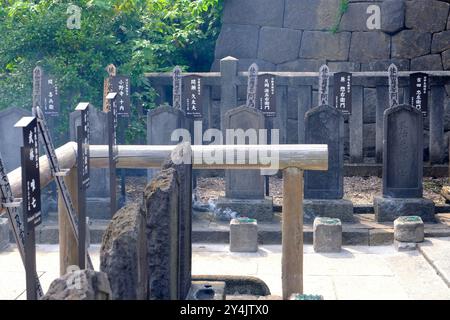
(295,35)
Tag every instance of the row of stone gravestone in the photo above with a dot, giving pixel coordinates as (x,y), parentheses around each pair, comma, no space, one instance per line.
(402,167)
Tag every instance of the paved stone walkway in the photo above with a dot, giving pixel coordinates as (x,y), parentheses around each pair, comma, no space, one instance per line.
(358,272)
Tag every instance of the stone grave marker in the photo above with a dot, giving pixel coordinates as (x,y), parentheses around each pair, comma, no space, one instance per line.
(244,189)
(324,189)
(403,167)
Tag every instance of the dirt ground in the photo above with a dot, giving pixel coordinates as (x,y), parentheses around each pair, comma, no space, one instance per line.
(359,190)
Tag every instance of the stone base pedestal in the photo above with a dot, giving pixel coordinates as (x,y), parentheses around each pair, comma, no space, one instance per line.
(389,209)
(243,235)
(405,246)
(259,209)
(4,234)
(327,235)
(339,208)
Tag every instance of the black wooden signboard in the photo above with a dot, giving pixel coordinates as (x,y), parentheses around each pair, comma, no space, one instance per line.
(266,100)
(31,199)
(30,169)
(121,85)
(192,96)
(343,92)
(113,154)
(50,96)
(83,179)
(419,92)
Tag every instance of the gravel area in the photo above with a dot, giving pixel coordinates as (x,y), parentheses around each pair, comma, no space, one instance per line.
(359,190)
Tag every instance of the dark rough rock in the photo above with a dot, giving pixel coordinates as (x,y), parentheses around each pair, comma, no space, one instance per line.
(325,45)
(428,62)
(441,42)
(256,12)
(392,15)
(426,15)
(237,41)
(80,285)
(123,254)
(367,46)
(272,44)
(411,44)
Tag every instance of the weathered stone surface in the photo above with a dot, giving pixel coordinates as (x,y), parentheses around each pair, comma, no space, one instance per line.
(392,15)
(383,65)
(257,12)
(389,209)
(301,65)
(428,62)
(237,41)
(370,105)
(123,254)
(272,44)
(168,228)
(310,14)
(243,235)
(446,59)
(325,125)
(441,42)
(426,15)
(403,152)
(367,46)
(405,246)
(80,285)
(344,66)
(180,160)
(369,134)
(341,209)
(355,18)
(325,45)
(260,209)
(411,44)
(381,237)
(244,64)
(4,234)
(244,184)
(327,235)
(298,296)
(161,202)
(409,229)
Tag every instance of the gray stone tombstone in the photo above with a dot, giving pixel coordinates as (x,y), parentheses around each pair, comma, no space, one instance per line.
(11,138)
(324,189)
(161,122)
(98,191)
(403,167)
(167,201)
(244,189)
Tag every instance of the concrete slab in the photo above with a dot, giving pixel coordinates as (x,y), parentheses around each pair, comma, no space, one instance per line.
(358,272)
(437,253)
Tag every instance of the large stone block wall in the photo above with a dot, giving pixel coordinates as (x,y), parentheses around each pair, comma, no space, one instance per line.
(295,35)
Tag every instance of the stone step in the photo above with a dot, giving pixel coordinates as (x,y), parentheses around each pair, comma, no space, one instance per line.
(366,232)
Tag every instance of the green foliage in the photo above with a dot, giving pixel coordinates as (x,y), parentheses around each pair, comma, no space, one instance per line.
(136,35)
(343,8)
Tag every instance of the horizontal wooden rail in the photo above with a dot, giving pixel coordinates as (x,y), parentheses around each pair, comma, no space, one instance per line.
(305,157)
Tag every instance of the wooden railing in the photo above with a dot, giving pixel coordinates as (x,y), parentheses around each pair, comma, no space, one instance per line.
(292,159)
(296,94)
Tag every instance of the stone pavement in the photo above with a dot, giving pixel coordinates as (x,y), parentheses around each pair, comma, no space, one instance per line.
(358,272)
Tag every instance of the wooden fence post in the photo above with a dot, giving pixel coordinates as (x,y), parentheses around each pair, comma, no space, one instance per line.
(292,232)
(68,247)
